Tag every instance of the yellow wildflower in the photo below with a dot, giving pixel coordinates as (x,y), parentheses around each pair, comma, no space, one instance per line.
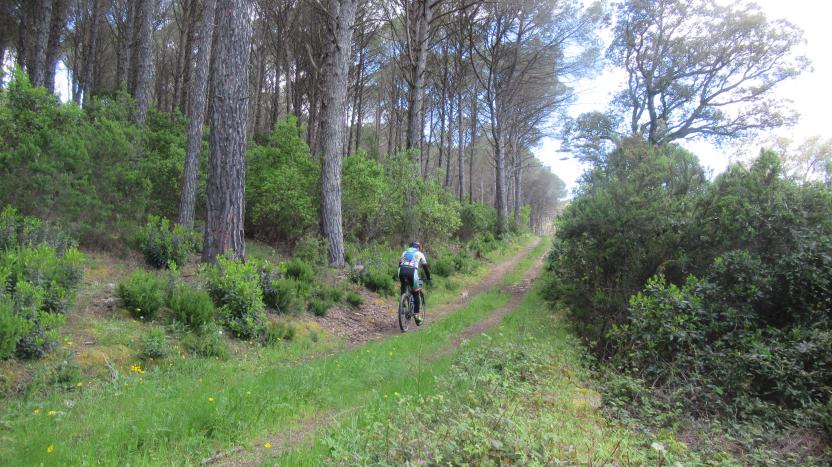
(248,393)
(51,413)
(396,394)
(80,384)
(267,445)
(37,411)
(210,399)
(385,396)
(50,449)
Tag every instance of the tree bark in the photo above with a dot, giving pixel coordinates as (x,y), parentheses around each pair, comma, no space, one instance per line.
(419,24)
(187,205)
(473,117)
(144,70)
(226,169)
(89,52)
(340,19)
(53,47)
(37,65)
(124,42)
(460,144)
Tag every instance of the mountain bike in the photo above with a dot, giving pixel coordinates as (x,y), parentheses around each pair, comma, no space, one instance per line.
(407,307)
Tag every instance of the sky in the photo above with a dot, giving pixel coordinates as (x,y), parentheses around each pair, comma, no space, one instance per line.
(810,94)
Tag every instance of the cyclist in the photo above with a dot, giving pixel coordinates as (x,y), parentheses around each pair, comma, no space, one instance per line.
(408,274)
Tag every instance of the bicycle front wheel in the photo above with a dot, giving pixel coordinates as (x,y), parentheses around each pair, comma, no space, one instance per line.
(404,312)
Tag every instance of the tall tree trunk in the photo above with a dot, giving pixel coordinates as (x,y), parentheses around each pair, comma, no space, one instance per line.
(518,189)
(226,169)
(144,70)
(275,113)
(53,47)
(450,141)
(500,181)
(473,143)
(90,62)
(340,20)
(460,144)
(187,70)
(187,204)
(37,65)
(419,24)
(124,44)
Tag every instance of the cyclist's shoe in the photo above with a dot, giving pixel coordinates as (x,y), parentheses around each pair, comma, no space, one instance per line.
(418,319)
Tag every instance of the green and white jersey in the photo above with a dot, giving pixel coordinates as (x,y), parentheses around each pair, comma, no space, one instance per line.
(412,258)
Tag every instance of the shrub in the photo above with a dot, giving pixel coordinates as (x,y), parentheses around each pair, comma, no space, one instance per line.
(374,267)
(67,373)
(313,249)
(164,244)
(57,276)
(332,294)
(354,299)
(18,231)
(443,266)
(287,297)
(193,308)
(319,307)
(299,269)
(282,192)
(278,332)
(206,343)
(155,345)
(234,286)
(142,294)
(42,335)
(12,328)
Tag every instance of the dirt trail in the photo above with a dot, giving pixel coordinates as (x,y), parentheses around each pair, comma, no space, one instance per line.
(304,431)
(517,291)
(376,319)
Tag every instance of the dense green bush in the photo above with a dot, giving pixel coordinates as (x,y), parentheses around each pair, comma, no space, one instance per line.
(208,342)
(234,286)
(40,272)
(319,306)
(287,298)
(476,218)
(313,249)
(368,199)
(164,244)
(104,173)
(282,189)
(629,222)
(300,270)
(354,299)
(155,345)
(12,328)
(193,308)
(143,293)
(278,332)
(374,267)
(718,293)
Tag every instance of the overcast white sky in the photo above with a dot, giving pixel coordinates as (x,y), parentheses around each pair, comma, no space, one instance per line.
(810,92)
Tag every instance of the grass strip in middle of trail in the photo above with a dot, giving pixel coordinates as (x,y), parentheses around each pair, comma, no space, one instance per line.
(195,408)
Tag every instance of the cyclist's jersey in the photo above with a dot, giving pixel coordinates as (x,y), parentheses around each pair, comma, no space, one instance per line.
(413,258)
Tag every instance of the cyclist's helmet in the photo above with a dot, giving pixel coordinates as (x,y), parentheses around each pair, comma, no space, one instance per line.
(416,245)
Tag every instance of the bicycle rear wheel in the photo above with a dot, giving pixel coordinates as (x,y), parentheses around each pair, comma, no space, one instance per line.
(404,312)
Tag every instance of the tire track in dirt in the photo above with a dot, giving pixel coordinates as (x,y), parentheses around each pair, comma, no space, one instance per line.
(518,292)
(378,321)
(303,432)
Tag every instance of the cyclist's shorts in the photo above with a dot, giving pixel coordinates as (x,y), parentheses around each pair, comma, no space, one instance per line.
(410,276)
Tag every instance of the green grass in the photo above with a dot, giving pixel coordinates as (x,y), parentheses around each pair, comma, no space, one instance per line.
(487,406)
(185,409)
